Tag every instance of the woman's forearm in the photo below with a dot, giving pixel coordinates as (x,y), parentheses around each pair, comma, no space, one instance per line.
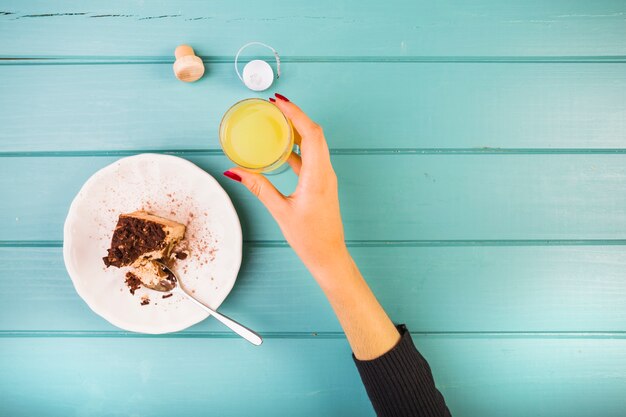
(397,378)
(369,330)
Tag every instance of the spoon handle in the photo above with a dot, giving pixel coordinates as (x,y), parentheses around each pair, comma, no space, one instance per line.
(250,335)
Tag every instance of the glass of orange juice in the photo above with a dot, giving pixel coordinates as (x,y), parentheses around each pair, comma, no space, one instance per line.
(256,135)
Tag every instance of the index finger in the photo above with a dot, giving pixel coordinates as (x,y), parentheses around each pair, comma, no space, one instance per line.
(299,119)
(313,144)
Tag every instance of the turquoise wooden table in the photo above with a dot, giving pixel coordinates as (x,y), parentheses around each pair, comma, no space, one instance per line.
(481,152)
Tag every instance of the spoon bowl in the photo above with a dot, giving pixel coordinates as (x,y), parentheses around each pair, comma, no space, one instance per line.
(171,283)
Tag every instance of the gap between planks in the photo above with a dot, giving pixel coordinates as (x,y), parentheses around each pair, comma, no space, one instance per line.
(309,335)
(336,151)
(117,60)
(377,243)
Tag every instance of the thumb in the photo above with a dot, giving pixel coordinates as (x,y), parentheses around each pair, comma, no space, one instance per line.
(260,187)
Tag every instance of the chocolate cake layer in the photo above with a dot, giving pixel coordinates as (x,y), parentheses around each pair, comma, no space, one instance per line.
(132,238)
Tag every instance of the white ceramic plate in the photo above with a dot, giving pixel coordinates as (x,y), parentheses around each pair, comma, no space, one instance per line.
(170,187)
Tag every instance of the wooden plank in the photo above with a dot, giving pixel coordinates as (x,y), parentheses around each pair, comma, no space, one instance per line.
(383,197)
(478,376)
(431,289)
(220,377)
(439,106)
(529,376)
(325,28)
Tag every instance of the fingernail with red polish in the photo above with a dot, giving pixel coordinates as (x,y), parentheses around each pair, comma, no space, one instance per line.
(280,96)
(273,100)
(232,176)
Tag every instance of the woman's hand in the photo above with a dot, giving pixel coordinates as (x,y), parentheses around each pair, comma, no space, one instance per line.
(309,218)
(311,223)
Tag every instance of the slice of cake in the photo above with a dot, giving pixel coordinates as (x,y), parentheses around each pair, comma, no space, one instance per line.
(139,239)
(141,236)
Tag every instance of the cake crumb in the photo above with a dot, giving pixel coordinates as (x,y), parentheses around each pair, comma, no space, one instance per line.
(145,300)
(133,282)
(167,295)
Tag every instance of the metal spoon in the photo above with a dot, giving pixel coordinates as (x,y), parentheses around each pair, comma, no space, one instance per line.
(171,284)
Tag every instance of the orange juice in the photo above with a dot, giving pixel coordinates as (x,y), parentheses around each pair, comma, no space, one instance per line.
(256,135)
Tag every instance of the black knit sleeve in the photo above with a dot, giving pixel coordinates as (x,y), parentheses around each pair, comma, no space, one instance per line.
(400,383)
